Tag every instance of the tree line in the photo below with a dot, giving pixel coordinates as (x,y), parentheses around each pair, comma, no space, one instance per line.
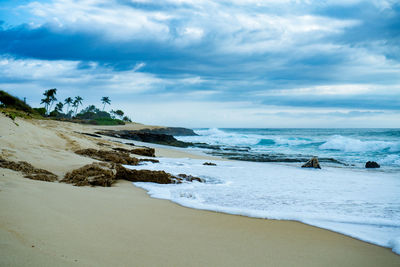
(91,112)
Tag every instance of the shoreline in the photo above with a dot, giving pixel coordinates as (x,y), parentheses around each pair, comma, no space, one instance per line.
(66,223)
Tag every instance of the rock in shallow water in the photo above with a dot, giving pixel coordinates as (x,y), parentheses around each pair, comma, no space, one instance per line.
(371,165)
(312,163)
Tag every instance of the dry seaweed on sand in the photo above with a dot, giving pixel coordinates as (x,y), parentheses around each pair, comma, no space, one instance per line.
(106,174)
(109,156)
(160,177)
(28,170)
(143,151)
(95,174)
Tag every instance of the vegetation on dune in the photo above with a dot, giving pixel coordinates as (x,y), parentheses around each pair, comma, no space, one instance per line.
(9,101)
(13,107)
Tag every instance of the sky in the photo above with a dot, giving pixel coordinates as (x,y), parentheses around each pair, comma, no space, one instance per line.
(203,63)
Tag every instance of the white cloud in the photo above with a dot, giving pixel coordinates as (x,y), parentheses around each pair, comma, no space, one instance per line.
(238,29)
(115,22)
(66,75)
(139,66)
(335,90)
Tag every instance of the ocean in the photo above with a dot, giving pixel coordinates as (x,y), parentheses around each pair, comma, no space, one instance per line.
(267,181)
(346,147)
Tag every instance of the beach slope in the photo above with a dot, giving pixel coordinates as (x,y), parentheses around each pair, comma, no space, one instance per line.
(55,224)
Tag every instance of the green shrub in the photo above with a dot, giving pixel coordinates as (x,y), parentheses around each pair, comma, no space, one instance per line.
(9,101)
(40,111)
(107,121)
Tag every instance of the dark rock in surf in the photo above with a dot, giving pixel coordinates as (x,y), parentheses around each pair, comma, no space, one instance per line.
(372,165)
(150,160)
(312,163)
(189,178)
(209,164)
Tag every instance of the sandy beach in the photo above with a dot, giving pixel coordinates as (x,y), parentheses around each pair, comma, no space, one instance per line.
(56,224)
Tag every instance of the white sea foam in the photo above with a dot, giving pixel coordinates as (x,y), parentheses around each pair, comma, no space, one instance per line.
(364,204)
(346,144)
(395,245)
(216,136)
(391,160)
(291,141)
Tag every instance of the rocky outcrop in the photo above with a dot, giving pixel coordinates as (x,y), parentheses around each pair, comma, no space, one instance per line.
(106,174)
(89,134)
(209,164)
(95,174)
(150,160)
(189,178)
(312,163)
(28,170)
(159,177)
(109,156)
(162,139)
(175,131)
(372,165)
(143,151)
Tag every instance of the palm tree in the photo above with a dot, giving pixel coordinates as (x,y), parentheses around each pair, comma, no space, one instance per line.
(118,113)
(68,101)
(51,95)
(59,107)
(105,100)
(77,102)
(49,99)
(46,102)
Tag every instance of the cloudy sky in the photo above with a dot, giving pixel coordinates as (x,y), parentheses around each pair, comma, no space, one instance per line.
(203,63)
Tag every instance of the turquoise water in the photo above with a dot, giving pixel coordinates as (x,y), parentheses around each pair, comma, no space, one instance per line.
(345,147)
